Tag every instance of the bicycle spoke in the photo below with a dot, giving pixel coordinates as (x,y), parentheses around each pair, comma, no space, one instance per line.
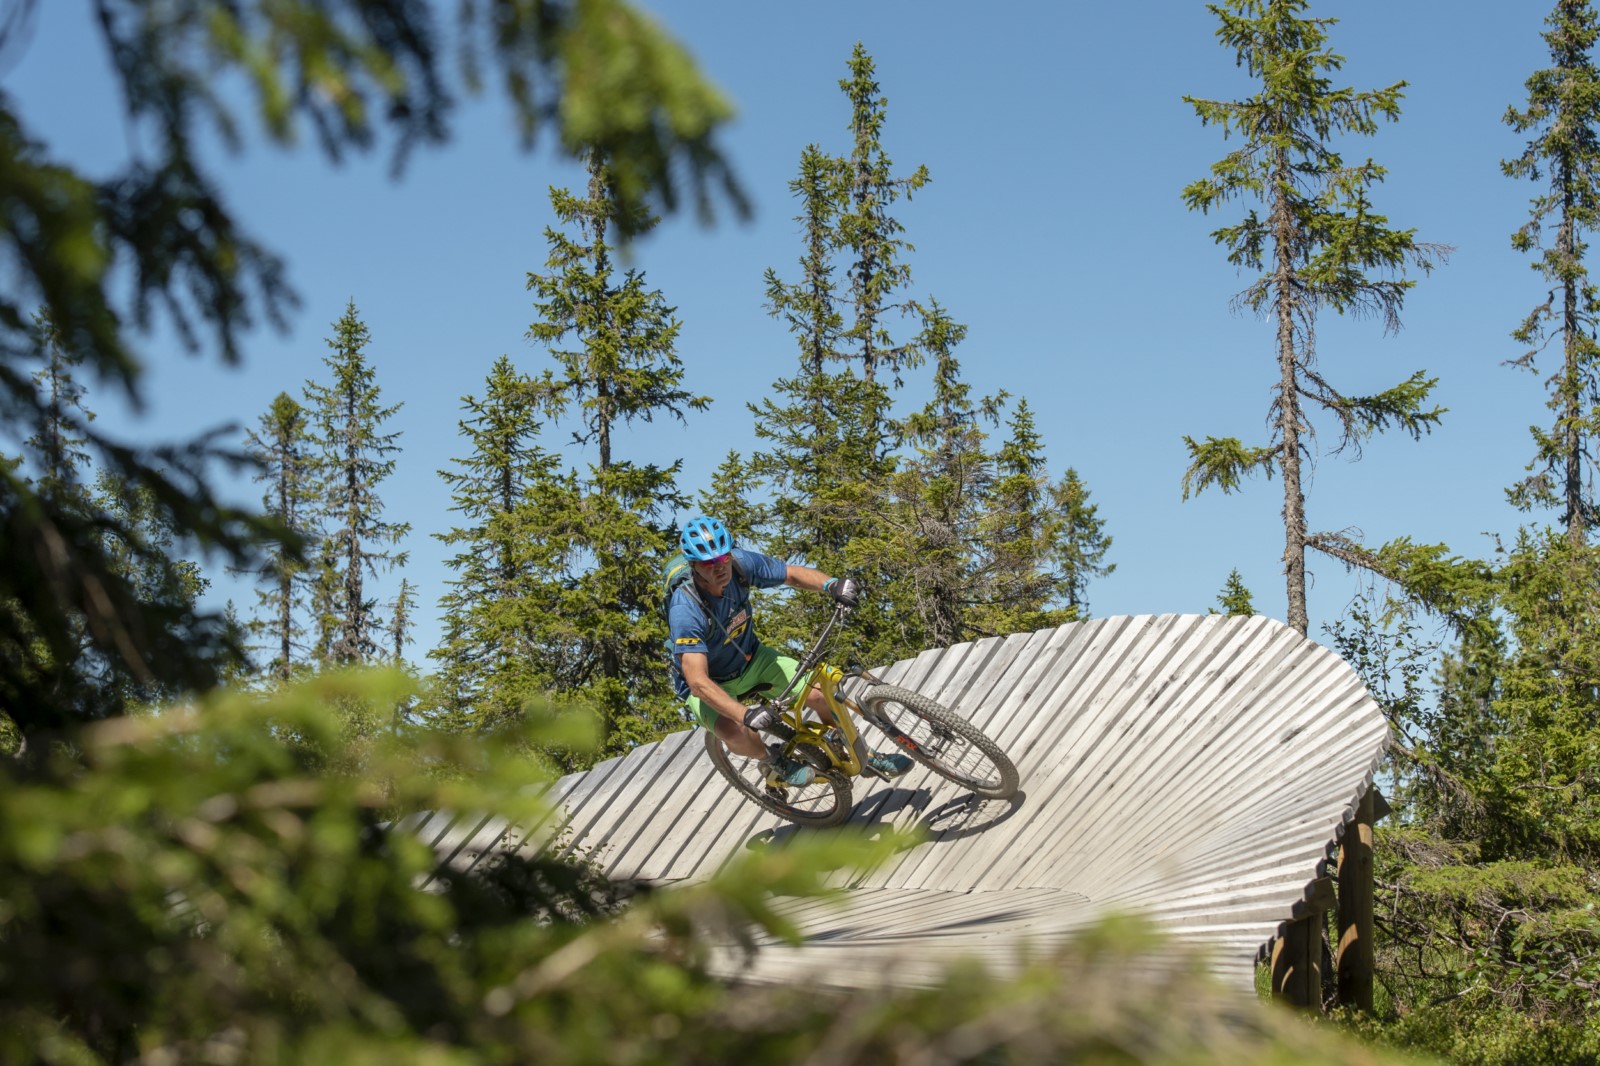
(823,802)
(939,739)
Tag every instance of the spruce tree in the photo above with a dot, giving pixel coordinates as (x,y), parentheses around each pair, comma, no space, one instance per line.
(807,436)
(1563,110)
(1019,527)
(878,272)
(810,306)
(804,435)
(601,536)
(400,622)
(1080,545)
(489,667)
(353,459)
(59,440)
(1234,599)
(142,543)
(57,459)
(829,434)
(928,538)
(1317,243)
(147,240)
(134,538)
(728,497)
(282,449)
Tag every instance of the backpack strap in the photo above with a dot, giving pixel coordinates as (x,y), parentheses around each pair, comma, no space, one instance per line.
(694,594)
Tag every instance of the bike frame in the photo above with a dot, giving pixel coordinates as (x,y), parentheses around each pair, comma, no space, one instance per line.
(807,736)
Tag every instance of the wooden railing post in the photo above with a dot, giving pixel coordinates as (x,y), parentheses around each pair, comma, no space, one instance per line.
(1297,954)
(1353,959)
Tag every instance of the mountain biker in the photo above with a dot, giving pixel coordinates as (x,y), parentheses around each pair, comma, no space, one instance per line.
(718,659)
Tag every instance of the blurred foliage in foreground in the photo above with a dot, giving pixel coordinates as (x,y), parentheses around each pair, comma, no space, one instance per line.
(210,884)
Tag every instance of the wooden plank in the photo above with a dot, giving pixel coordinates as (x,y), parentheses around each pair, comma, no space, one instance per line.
(635,849)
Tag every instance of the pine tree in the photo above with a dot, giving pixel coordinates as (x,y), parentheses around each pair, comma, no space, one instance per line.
(353,459)
(1234,599)
(488,666)
(281,447)
(1318,245)
(1564,111)
(601,537)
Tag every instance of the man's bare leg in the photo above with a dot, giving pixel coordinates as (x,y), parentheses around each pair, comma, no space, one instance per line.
(741,740)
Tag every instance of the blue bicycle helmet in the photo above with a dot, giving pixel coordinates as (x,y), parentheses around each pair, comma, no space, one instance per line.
(705,538)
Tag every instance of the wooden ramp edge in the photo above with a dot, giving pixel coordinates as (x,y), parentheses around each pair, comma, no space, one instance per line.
(1197,770)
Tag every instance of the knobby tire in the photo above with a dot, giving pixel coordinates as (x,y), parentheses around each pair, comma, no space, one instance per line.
(928,732)
(825,802)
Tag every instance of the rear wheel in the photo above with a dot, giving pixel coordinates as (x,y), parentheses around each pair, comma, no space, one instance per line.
(824,802)
(940,739)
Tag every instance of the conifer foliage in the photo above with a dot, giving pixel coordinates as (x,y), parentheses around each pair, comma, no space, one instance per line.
(1234,598)
(98,601)
(281,447)
(147,241)
(951,538)
(489,663)
(1563,111)
(1020,527)
(57,441)
(828,430)
(353,457)
(1317,244)
(931,521)
(599,535)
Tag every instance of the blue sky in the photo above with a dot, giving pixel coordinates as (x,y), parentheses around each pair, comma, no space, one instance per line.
(1058,144)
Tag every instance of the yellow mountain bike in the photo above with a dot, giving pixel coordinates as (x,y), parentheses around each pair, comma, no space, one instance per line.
(933,735)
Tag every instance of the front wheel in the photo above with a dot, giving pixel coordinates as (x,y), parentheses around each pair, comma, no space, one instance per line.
(824,802)
(940,739)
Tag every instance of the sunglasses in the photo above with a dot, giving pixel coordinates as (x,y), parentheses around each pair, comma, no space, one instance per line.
(708,563)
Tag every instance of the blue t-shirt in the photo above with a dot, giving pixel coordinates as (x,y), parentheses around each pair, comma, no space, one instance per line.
(728,642)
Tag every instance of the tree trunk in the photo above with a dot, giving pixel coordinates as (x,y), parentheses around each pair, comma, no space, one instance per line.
(1571,385)
(285,577)
(1289,421)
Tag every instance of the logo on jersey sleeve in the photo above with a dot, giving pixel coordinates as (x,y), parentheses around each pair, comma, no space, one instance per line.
(688,640)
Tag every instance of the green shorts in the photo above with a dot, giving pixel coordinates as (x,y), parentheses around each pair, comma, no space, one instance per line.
(766,667)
